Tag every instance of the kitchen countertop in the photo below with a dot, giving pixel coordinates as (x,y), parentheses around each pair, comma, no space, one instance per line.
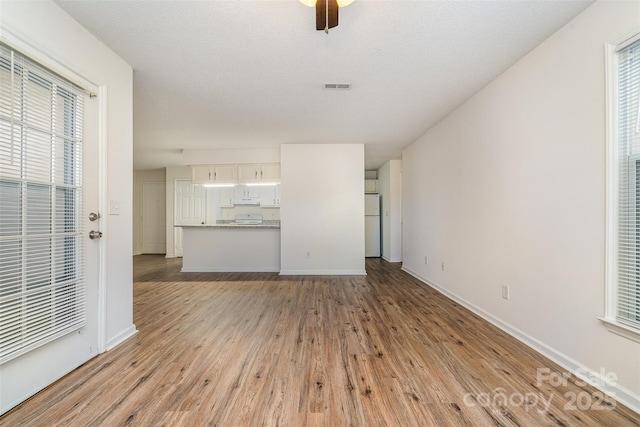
(232,225)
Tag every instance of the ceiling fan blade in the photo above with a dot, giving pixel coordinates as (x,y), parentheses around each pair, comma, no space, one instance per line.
(321,14)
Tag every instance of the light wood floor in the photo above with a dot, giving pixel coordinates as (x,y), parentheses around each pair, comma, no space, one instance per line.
(222,349)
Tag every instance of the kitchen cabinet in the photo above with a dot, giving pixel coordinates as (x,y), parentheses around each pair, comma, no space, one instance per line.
(370,186)
(235,174)
(270,196)
(227,195)
(246,192)
(200,174)
(213,174)
(231,249)
(246,195)
(268,172)
(225,174)
(248,173)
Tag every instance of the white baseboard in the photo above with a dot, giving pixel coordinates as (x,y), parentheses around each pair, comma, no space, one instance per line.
(323,273)
(208,269)
(617,392)
(6,407)
(121,337)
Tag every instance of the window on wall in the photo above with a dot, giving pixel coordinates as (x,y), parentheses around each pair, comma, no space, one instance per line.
(623,281)
(41,268)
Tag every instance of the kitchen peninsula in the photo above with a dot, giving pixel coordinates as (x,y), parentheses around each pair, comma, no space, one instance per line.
(231,247)
(238,226)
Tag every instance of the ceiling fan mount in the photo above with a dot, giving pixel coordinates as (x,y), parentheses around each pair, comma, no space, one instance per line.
(326,12)
(326,15)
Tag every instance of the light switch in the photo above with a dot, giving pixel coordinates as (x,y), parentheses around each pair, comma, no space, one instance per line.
(114,207)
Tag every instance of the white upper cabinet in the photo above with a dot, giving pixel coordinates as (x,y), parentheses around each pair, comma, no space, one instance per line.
(227,194)
(213,174)
(270,196)
(259,173)
(270,172)
(248,173)
(201,174)
(243,192)
(235,174)
(371,186)
(225,174)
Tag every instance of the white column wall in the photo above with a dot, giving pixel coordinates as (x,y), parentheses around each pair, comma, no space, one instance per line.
(322,209)
(390,186)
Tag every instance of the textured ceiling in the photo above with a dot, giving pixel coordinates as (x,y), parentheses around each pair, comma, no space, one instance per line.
(250,74)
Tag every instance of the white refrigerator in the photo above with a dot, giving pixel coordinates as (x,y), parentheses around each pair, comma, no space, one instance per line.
(372,225)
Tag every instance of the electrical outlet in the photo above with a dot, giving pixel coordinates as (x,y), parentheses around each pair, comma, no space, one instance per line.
(426,260)
(505,292)
(442,265)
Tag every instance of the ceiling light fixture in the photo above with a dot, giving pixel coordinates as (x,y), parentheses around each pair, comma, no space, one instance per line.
(326,12)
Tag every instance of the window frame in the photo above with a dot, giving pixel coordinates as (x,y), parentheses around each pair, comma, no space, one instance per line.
(609,319)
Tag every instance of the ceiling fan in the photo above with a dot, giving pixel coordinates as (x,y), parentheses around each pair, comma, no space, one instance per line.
(326,12)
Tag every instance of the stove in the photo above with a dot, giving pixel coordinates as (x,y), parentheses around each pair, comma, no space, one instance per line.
(248,219)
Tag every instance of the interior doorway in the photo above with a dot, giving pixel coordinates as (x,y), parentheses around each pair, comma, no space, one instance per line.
(154,225)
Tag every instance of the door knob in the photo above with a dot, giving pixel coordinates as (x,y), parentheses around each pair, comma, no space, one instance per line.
(94,216)
(93,234)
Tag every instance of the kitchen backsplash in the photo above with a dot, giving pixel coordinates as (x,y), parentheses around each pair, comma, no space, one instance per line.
(217,212)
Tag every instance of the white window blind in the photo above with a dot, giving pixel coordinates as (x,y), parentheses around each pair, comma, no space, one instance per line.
(41,267)
(627,286)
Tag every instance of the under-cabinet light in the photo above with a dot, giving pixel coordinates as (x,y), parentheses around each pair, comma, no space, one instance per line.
(218,185)
(263,184)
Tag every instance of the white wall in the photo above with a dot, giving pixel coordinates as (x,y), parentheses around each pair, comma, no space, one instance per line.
(322,209)
(45,26)
(510,190)
(231,156)
(390,188)
(139,178)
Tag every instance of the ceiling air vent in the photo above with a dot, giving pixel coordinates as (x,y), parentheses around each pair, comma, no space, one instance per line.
(337,85)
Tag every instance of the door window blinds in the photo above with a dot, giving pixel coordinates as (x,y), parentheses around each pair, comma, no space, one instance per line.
(627,289)
(41,267)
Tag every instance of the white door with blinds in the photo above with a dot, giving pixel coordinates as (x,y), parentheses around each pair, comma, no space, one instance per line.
(48,263)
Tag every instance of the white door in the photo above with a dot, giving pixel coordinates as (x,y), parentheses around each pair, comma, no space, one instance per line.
(154,214)
(190,207)
(50,260)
